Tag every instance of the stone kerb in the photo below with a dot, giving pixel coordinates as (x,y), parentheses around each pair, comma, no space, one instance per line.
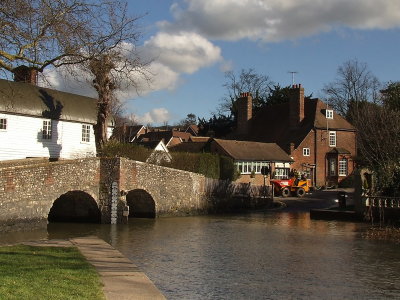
(175,192)
(27,192)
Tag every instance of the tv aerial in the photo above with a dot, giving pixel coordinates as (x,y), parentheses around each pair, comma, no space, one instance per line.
(293,72)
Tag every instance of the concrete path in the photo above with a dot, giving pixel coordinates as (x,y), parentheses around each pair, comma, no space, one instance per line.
(122,279)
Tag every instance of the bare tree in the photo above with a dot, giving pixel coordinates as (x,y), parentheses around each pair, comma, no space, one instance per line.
(379,142)
(43,33)
(247,81)
(98,36)
(354,84)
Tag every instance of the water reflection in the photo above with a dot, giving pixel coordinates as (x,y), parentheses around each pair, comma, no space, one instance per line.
(264,255)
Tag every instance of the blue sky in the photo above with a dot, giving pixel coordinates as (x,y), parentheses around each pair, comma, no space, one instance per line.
(194,41)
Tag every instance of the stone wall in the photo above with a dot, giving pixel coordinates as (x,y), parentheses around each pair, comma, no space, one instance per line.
(27,192)
(176,192)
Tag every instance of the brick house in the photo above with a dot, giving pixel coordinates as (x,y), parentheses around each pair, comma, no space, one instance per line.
(250,157)
(321,142)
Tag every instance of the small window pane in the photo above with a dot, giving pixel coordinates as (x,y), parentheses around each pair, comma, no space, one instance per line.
(332,138)
(343,167)
(3,124)
(85,133)
(46,130)
(306,151)
(329,114)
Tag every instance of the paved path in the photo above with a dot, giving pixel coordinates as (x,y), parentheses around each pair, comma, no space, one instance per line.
(122,279)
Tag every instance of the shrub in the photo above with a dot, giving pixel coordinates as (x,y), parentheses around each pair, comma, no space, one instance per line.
(228,170)
(207,164)
(131,151)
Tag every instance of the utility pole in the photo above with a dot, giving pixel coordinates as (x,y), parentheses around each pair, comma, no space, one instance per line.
(293,72)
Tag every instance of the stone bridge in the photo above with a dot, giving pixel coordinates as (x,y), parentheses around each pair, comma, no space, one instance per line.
(33,193)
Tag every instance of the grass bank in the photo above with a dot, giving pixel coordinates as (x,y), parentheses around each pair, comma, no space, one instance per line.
(28,272)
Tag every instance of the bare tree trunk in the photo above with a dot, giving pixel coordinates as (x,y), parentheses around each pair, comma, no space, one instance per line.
(103,83)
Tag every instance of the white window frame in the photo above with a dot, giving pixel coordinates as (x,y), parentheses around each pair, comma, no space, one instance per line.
(329,114)
(247,167)
(3,124)
(332,139)
(281,173)
(343,166)
(47,130)
(85,133)
(306,152)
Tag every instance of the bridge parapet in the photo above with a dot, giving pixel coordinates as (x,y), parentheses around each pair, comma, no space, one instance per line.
(28,190)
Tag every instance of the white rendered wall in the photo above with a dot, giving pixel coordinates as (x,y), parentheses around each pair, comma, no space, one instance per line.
(23,138)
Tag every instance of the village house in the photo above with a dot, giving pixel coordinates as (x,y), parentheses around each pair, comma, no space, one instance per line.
(251,157)
(321,142)
(45,123)
(128,133)
(160,152)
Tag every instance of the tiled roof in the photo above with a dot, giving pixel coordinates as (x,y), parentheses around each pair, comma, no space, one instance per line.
(193,128)
(271,124)
(253,151)
(166,135)
(194,147)
(199,139)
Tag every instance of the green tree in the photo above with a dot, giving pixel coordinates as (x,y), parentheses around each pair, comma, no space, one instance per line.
(190,119)
(217,126)
(390,95)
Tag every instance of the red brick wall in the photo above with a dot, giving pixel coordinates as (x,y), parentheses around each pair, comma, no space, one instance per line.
(245,111)
(317,141)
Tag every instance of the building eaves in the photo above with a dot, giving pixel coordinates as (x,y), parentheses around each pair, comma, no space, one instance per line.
(26,99)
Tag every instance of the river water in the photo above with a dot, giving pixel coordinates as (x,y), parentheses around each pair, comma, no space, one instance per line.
(262,255)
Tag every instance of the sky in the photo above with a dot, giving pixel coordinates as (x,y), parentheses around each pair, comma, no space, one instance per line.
(193,42)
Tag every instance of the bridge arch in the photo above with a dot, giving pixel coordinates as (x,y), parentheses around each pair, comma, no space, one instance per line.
(75,206)
(141,204)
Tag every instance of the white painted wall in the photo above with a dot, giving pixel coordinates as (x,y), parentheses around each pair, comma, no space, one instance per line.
(23,138)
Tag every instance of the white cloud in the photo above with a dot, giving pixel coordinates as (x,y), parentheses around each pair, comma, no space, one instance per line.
(277,20)
(155,116)
(182,51)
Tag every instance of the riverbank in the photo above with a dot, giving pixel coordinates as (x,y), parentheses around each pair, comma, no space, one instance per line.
(121,279)
(29,272)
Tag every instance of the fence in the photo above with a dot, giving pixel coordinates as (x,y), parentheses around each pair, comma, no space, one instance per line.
(227,189)
(382,208)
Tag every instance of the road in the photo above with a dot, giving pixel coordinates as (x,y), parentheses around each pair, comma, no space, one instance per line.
(315,200)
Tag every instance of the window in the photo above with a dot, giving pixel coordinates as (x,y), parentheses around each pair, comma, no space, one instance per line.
(246,167)
(332,167)
(46,130)
(3,124)
(85,133)
(332,138)
(329,114)
(306,151)
(343,167)
(281,173)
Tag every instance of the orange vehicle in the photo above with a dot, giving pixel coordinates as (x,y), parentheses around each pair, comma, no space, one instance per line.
(293,186)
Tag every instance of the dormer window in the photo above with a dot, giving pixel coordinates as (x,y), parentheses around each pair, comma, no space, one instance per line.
(329,114)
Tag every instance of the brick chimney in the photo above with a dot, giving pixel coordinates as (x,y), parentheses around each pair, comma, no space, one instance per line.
(26,74)
(296,105)
(245,112)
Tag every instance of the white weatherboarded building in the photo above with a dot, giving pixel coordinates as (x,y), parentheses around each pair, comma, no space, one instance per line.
(41,122)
